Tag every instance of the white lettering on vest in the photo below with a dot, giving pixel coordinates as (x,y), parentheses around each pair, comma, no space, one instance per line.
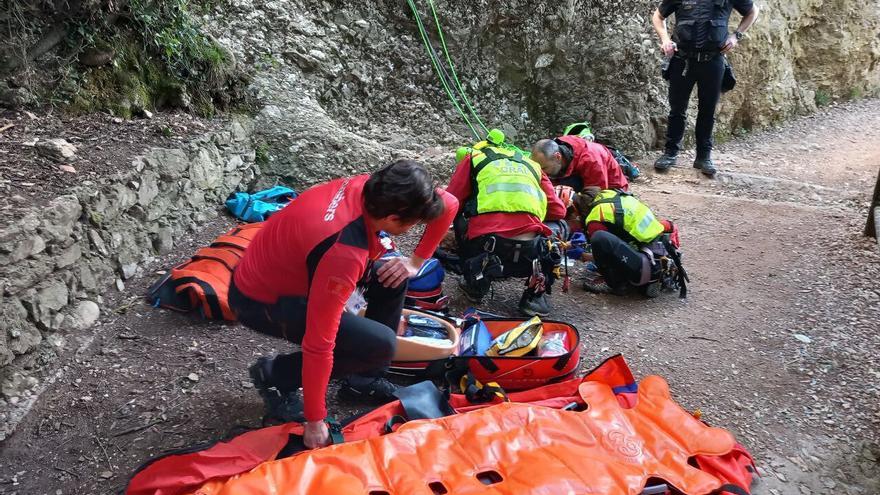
(512,168)
(334,203)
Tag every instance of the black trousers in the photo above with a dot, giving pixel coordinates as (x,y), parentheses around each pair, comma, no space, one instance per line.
(619,263)
(364,345)
(683,75)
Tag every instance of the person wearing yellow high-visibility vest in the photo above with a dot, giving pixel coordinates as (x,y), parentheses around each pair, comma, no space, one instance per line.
(625,237)
(505,200)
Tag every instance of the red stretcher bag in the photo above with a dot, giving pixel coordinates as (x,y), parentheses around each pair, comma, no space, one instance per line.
(510,373)
(524,372)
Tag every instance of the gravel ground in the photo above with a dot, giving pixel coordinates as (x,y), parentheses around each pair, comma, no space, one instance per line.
(776,342)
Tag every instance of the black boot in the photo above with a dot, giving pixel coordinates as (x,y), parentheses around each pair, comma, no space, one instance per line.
(665,161)
(598,285)
(706,165)
(472,294)
(652,289)
(377,391)
(531,304)
(282,405)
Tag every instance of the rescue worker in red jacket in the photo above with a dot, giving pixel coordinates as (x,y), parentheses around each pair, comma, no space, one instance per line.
(580,164)
(505,199)
(307,272)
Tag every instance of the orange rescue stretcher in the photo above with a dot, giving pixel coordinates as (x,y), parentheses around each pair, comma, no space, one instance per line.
(581,436)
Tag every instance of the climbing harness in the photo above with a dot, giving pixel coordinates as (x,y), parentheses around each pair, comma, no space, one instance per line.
(678,277)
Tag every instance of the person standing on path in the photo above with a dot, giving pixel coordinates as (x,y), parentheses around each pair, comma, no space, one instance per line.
(697,51)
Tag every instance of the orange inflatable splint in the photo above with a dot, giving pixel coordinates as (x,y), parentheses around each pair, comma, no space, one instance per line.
(510,448)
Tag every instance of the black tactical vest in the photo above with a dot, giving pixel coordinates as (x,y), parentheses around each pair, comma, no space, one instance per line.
(701,25)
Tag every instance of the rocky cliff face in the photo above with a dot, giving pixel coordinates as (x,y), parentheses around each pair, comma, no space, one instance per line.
(354,77)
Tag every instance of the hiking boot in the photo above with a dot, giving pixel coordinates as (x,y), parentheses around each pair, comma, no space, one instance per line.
(652,290)
(259,373)
(379,391)
(706,165)
(664,162)
(534,305)
(285,407)
(598,285)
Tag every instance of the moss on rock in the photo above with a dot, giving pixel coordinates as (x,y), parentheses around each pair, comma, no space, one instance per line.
(136,80)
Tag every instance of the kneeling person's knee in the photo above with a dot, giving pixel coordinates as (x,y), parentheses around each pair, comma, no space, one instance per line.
(382,347)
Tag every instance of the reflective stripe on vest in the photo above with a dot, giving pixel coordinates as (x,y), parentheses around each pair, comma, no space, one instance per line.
(626,212)
(506,182)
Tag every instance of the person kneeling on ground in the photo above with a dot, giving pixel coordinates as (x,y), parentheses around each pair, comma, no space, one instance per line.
(625,237)
(313,260)
(504,199)
(579,163)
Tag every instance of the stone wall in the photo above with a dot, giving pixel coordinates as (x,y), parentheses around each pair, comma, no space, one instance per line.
(56,261)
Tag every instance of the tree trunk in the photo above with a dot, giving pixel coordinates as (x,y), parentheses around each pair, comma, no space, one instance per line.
(871,227)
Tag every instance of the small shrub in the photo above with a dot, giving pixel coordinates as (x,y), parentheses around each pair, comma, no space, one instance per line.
(261,151)
(822,98)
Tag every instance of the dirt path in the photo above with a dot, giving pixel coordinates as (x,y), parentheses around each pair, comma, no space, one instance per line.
(777,341)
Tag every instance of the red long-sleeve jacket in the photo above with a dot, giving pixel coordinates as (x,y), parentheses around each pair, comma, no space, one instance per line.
(503,224)
(319,247)
(594,164)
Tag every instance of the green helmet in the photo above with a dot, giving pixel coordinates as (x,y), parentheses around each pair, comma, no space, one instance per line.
(495,137)
(580,129)
(462,152)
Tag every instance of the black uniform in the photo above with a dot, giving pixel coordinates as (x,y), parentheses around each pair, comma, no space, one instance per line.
(701,28)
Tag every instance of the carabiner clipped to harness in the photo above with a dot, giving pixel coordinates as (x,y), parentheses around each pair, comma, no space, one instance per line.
(537,281)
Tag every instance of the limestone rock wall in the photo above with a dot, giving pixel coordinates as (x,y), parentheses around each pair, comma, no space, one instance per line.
(57,261)
(530,67)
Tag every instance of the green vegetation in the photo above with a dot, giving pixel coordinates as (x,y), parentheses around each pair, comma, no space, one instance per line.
(822,98)
(126,57)
(168,29)
(262,153)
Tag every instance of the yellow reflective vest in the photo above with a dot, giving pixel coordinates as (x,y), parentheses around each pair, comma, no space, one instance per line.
(626,213)
(505,181)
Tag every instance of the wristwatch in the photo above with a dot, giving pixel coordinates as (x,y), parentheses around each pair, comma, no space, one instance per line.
(739,35)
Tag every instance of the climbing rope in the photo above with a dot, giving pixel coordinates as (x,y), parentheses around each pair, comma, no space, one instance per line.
(450,81)
(438,68)
(458,85)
